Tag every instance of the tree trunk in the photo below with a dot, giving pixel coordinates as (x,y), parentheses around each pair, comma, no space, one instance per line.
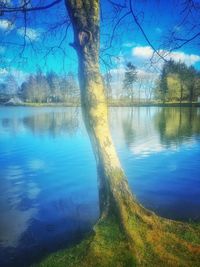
(181,96)
(114,193)
(191,92)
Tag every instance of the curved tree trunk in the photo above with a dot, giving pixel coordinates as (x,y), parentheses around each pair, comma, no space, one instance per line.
(113,188)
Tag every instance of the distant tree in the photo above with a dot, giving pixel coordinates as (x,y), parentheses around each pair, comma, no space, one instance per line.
(129,78)
(183,75)
(11,86)
(163,87)
(50,88)
(72,89)
(107,82)
(54,85)
(174,87)
(42,87)
(2,88)
(197,86)
(36,88)
(193,83)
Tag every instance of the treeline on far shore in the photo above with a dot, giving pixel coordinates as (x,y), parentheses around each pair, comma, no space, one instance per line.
(177,84)
(41,88)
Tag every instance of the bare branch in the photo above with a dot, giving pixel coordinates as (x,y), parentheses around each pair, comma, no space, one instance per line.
(24,8)
(143,32)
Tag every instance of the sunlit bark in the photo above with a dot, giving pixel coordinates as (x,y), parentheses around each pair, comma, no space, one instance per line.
(113,188)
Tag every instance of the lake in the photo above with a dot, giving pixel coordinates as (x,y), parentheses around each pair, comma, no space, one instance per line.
(48,180)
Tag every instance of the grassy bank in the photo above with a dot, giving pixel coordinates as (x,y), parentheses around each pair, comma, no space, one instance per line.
(158,243)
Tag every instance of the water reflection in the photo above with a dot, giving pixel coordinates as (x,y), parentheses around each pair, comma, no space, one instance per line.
(15,212)
(48,185)
(150,130)
(43,204)
(53,123)
(128,128)
(176,125)
(160,151)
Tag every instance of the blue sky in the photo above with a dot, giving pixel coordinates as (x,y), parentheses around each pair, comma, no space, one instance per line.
(45,48)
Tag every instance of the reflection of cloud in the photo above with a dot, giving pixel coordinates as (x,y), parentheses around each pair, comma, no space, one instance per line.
(172,167)
(36,164)
(153,145)
(12,224)
(147,148)
(15,220)
(14,172)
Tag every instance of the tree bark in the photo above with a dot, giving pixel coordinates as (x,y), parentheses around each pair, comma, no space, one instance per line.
(114,194)
(181,96)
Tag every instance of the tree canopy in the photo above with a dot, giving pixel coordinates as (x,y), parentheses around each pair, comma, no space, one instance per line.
(178,82)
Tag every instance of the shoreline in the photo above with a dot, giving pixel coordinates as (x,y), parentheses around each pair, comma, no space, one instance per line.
(117,104)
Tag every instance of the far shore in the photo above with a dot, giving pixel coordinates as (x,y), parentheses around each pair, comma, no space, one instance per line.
(110,104)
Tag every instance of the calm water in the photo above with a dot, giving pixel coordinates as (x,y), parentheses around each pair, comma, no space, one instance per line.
(48,181)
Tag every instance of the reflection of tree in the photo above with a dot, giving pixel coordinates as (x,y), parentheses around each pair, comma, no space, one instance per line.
(53,122)
(175,125)
(127,126)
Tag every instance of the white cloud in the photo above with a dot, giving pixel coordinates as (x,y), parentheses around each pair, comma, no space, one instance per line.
(31,34)
(189,59)
(146,52)
(129,44)
(6,25)
(142,51)
(19,75)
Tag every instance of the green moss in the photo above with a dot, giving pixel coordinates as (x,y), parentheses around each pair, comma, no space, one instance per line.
(108,246)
